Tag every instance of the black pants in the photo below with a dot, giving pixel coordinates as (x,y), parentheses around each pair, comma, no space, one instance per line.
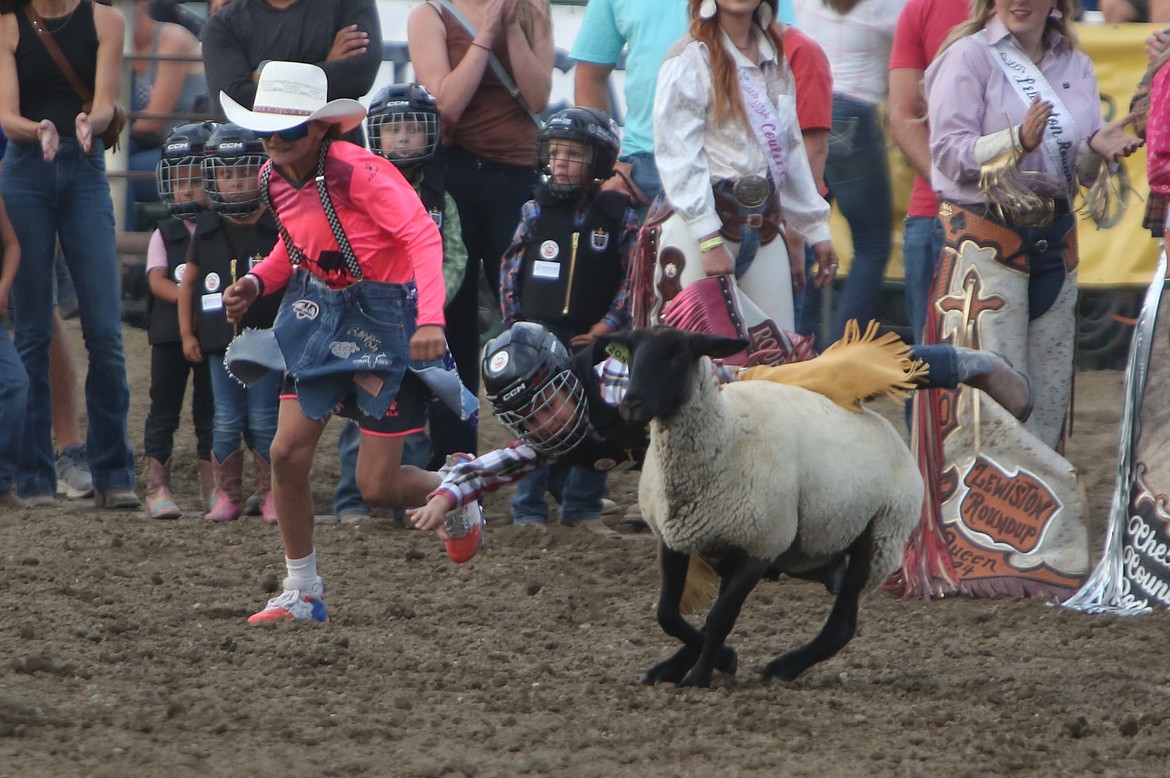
(168,383)
(489,196)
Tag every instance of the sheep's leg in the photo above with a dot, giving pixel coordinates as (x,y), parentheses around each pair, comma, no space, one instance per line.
(673,567)
(842,622)
(745,573)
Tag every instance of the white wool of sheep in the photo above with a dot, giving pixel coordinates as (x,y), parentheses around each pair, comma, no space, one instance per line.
(754,464)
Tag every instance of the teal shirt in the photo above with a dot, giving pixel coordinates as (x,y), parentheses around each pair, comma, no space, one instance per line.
(650,27)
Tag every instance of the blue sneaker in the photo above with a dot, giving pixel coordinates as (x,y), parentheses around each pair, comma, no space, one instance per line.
(295,604)
(73,478)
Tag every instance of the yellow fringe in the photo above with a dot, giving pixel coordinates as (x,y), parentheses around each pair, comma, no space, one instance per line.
(1105,200)
(701,588)
(855,369)
(1011,201)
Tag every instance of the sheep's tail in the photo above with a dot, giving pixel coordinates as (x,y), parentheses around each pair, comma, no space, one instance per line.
(857,368)
(701,588)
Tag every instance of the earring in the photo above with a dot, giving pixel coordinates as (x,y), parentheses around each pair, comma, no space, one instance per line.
(707,10)
(764,15)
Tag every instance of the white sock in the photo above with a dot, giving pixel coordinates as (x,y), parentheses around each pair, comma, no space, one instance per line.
(302,573)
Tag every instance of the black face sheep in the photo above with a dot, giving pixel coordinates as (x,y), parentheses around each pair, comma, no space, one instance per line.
(760,478)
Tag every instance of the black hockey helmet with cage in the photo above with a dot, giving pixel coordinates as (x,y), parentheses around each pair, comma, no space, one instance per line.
(593,129)
(397,105)
(236,147)
(179,162)
(529,380)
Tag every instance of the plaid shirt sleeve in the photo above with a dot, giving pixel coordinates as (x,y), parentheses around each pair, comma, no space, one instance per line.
(618,316)
(468,480)
(513,260)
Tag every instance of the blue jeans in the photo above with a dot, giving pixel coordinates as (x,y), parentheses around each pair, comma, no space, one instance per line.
(577,489)
(940,362)
(240,409)
(644,171)
(347,498)
(68,199)
(13,401)
(922,243)
(859,181)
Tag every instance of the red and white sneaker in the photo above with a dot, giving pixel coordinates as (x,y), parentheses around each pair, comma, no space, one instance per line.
(295,604)
(464,529)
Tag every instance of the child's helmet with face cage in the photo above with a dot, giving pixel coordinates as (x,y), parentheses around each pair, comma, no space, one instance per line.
(235,147)
(529,380)
(178,168)
(398,107)
(596,131)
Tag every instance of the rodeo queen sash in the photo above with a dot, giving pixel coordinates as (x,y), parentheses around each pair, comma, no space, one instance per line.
(1133,576)
(1062,139)
(764,121)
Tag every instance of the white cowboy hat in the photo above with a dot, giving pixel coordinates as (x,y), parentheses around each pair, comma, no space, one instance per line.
(292,93)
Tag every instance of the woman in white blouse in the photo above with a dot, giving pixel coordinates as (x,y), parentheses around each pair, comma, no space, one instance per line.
(725,130)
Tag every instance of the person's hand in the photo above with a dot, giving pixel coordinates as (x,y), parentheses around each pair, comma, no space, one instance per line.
(622,181)
(795,245)
(237,298)
(1156,44)
(84,131)
(587,338)
(348,42)
(192,350)
(1034,124)
(427,343)
(826,263)
(50,141)
(1113,142)
(717,261)
(431,515)
(498,15)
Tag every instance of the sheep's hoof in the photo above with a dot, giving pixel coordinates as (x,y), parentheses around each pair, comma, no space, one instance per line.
(726,661)
(784,668)
(698,681)
(670,670)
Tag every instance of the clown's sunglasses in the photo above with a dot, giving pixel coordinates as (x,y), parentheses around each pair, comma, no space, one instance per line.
(290,135)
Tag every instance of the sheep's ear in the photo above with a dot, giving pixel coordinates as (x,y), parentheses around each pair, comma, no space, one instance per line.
(611,345)
(716,345)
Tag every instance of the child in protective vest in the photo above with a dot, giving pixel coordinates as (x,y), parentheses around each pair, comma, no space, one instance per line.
(403,126)
(229,239)
(567,269)
(180,187)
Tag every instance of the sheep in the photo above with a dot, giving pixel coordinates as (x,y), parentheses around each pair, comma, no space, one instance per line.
(759,478)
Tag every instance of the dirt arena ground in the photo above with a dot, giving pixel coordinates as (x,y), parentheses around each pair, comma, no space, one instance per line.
(125,653)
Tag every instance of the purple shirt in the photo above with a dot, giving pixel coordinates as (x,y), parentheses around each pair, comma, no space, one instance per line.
(968,96)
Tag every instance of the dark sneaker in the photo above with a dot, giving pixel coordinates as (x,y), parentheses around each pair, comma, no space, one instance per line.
(117,498)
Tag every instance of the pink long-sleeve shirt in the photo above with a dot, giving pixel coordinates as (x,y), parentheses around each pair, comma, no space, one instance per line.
(392,235)
(1158,134)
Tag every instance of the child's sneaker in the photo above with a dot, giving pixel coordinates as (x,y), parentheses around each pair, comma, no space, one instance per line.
(295,604)
(73,478)
(464,528)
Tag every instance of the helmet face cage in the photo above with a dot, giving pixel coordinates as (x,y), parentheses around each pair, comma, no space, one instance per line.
(231,170)
(177,174)
(596,138)
(554,418)
(403,124)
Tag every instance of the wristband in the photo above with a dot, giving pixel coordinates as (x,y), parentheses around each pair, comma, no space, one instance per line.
(481,46)
(711,243)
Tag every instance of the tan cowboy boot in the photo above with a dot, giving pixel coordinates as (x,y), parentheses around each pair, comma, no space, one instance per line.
(264,488)
(229,476)
(160,504)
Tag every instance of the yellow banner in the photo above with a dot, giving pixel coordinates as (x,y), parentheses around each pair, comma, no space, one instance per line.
(1123,255)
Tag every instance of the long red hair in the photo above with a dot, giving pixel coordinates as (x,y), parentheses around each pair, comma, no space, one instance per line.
(728,99)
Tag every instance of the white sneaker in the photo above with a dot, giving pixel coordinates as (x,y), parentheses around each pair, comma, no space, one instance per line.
(295,604)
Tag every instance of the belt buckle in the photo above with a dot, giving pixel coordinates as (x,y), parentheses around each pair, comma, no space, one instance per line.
(751,191)
(754,220)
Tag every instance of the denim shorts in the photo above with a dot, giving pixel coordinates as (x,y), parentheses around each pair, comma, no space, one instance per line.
(342,342)
(406,414)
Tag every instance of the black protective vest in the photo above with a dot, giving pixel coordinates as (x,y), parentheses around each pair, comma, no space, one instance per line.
(614,443)
(433,192)
(214,253)
(162,316)
(573,286)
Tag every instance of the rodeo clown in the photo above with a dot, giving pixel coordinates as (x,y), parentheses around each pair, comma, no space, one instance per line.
(564,407)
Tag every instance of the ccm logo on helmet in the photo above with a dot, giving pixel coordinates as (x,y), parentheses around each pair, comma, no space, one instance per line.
(512,393)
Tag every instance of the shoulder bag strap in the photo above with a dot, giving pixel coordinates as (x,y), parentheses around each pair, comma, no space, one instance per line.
(58,56)
(295,255)
(496,65)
